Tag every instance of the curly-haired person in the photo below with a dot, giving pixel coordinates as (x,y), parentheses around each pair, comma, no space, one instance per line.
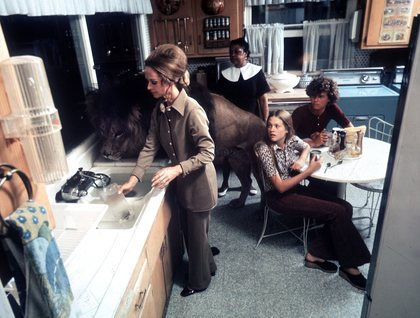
(310,121)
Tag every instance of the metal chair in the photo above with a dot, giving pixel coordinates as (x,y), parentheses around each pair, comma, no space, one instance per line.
(303,237)
(381,130)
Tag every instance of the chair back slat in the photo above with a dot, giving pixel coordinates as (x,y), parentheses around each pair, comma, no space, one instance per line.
(380,129)
(260,171)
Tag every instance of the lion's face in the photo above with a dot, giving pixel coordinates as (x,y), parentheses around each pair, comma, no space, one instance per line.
(121,138)
(120,113)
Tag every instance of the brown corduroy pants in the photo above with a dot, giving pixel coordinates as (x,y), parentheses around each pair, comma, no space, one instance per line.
(338,239)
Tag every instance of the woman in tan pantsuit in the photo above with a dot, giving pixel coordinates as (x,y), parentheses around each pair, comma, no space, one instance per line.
(180,125)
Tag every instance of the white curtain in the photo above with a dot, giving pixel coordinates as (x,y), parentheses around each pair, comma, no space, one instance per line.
(263,2)
(326,44)
(268,40)
(73,7)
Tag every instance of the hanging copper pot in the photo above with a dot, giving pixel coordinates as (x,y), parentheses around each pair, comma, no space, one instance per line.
(168,7)
(213,7)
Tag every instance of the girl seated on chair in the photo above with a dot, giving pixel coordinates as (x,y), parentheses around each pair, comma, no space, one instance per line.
(338,239)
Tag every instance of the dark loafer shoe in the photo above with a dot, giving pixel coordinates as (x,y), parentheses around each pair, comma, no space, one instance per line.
(357,281)
(214,250)
(324,266)
(188,291)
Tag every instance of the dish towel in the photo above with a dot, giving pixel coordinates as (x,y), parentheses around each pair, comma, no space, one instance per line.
(5,309)
(48,292)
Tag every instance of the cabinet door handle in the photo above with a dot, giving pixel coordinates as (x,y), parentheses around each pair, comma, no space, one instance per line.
(141,299)
(360,118)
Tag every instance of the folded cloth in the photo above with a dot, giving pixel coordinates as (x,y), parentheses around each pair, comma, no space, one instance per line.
(44,270)
(5,309)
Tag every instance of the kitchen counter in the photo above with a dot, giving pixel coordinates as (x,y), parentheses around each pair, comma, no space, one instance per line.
(298,94)
(102,265)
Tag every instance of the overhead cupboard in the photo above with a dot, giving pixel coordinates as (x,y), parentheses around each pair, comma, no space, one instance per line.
(387,23)
(200,27)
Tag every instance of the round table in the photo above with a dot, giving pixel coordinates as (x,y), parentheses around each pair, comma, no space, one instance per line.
(370,166)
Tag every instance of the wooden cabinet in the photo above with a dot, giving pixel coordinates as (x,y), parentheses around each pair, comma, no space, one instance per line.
(196,32)
(151,281)
(387,23)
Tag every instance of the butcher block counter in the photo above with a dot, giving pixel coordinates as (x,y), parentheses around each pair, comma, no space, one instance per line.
(298,94)
(287,101)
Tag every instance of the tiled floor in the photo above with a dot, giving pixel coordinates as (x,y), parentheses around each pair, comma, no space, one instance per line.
(269,281)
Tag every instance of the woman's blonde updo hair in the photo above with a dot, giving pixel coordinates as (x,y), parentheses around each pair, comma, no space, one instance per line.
(170,62)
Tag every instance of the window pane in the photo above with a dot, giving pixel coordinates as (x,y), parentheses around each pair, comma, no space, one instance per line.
(114,52)
(50,38)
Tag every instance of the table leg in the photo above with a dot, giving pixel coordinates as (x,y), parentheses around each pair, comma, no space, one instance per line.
(341,191)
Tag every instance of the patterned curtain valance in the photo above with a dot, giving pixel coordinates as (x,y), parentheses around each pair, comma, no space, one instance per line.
(73,7)
(249,3)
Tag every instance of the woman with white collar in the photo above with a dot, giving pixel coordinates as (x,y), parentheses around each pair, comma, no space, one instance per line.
(243,84)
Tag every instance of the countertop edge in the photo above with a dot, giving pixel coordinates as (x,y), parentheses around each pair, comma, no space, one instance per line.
(99,275)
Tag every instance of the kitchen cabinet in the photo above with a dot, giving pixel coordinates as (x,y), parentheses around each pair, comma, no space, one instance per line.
(387,23)
(151,281)
(359,111)
(196,32)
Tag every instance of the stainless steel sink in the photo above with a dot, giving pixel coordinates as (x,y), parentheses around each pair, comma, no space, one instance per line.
(122,216)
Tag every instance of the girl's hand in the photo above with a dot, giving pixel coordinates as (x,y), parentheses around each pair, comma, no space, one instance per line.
(297,165)
(314,165)
(164,176)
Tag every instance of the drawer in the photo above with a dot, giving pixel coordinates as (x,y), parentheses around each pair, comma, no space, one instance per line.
(134,296)
(147,308)
(157,233)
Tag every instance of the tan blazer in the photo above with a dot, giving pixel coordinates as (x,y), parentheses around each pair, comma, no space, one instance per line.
(183,132)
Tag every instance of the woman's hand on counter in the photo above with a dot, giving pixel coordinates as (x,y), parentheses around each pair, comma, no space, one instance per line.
(164,176)
(128,186)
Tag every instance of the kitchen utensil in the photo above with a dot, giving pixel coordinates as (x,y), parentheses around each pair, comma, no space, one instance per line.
(185,35)
(179,31)
(328,165)
(174,30)
(339,162)
(168,7)
(212,7)
(165,21)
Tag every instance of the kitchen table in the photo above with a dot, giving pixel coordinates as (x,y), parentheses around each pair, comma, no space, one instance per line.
(370,166)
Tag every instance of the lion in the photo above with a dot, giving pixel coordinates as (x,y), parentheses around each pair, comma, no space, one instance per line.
(121,115)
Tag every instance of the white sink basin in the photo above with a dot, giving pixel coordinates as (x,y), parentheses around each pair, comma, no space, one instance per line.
(73,222)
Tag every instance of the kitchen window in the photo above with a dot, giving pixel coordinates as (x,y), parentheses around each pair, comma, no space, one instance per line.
(292,17)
